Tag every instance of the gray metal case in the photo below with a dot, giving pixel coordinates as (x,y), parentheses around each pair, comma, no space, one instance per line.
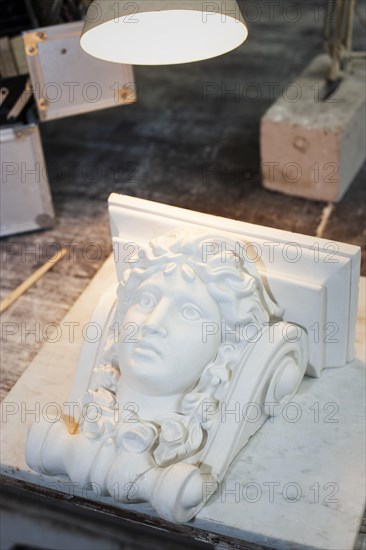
(67,81)
(25,198)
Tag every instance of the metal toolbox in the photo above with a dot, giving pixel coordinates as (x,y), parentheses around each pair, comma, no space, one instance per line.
(67,81)
(25,198)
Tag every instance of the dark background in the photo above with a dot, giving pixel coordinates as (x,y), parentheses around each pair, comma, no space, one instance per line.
(173,147)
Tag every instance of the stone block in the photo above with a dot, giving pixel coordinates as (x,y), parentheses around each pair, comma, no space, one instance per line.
(312,148)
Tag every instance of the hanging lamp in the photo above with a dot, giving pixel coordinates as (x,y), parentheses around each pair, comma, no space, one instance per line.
(162,32)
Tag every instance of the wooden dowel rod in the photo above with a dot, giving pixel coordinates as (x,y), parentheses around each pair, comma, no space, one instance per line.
(28,283)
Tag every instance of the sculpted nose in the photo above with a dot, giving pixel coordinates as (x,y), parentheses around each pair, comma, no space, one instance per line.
(157,320)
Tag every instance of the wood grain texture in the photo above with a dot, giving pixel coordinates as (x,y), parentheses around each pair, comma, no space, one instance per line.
(116,528)
(174,147)
(26,325)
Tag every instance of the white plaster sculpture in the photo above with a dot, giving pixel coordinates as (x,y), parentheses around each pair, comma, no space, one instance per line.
(200,360)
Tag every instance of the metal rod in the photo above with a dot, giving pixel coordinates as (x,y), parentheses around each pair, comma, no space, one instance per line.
(349,34)
(338,41)
(361,17)
(28,283)
(336,45)
(351,17)
(357,55)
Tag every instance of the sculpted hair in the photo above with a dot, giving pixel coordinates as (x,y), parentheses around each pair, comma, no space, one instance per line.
(232,281)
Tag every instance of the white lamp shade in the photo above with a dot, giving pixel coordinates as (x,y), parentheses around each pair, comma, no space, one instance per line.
(162,32)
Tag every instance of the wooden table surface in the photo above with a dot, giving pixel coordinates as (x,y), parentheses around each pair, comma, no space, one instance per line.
(173,146)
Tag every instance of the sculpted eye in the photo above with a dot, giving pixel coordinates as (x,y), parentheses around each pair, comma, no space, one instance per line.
(191,313)
(147,300)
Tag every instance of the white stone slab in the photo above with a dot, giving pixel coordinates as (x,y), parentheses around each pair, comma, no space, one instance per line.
(289,263)
(318,460)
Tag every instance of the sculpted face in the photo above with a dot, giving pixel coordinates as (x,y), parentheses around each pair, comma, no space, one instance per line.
(161,350)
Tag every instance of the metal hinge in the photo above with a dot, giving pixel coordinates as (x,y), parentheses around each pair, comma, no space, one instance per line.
(126,94)
(24,131)
(42,104)
(31,41)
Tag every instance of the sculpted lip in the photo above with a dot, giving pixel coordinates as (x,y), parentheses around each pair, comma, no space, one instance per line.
(147,347)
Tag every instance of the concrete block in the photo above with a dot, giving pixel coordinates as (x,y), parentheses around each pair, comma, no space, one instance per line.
(312,148)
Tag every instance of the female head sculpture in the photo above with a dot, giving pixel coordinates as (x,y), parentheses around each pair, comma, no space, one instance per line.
(186,300)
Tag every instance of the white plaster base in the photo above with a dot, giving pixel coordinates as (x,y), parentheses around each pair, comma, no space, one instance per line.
(316,460)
